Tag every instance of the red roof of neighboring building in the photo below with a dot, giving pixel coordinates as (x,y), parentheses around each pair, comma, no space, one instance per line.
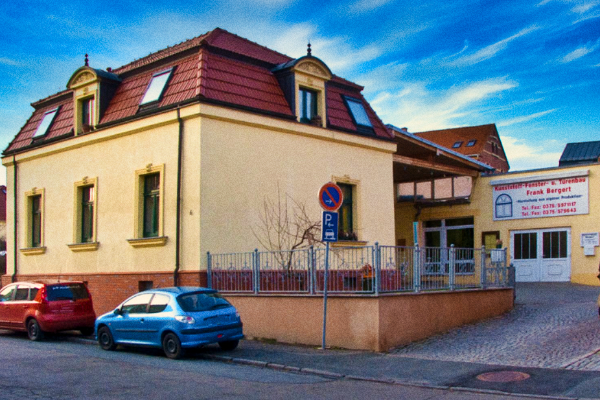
(219,67)
(480,150)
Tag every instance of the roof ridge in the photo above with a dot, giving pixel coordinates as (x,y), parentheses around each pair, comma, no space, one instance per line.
(219,31)
(54,96)
(161,54)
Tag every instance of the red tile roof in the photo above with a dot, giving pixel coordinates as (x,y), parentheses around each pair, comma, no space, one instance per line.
(217,66)
(481,133)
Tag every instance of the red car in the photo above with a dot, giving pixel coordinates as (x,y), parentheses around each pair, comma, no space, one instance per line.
(37,308)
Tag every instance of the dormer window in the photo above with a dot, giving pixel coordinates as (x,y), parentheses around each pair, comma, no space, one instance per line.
(86,115)
(308,105)
(456,145)
(358,112)
(157,87)
(46,122)
(471,143)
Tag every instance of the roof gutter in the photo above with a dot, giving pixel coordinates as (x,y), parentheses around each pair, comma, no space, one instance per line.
(178,212)
(15,253)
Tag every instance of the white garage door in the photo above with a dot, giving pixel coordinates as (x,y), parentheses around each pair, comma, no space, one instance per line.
(542,255)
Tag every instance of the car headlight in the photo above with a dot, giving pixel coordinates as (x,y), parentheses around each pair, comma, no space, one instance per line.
(185,319)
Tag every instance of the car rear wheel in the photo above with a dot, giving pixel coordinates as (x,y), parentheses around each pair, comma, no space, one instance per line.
(172,346)
(229,344)
(34,331)
(105,339)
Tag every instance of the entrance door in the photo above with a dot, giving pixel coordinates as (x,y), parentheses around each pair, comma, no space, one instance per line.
(542,255)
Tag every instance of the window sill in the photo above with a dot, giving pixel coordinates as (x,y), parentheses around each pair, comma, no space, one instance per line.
(33,251)
(76,247)
(349,243)
(148,242)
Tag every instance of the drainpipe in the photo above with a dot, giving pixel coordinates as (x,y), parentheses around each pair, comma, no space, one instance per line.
(178,218)
(15,253)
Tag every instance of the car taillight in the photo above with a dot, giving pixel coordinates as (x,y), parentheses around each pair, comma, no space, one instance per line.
(185,319)
(44,295)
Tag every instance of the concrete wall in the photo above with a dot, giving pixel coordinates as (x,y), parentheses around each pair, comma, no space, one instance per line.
(369,323)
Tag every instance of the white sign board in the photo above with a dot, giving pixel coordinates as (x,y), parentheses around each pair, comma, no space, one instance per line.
(541,198)
(590,239)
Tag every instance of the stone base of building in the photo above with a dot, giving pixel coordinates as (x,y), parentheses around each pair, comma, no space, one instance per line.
(367,322)
(108,290)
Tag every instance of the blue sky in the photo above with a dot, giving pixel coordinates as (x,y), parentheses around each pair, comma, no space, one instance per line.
(530,67)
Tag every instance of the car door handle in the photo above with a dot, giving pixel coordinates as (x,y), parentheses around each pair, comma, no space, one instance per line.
(141,319)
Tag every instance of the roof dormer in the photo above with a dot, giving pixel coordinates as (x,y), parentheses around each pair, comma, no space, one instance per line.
(304,82)
(92,91)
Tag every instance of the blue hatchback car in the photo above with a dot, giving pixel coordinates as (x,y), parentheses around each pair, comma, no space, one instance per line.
(172,318)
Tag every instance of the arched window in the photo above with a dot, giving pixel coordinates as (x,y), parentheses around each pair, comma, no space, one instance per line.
(504,206)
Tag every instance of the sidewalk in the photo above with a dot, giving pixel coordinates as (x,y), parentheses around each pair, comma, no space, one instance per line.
(395,369)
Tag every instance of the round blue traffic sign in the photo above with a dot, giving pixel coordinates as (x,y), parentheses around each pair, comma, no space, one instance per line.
(330,197)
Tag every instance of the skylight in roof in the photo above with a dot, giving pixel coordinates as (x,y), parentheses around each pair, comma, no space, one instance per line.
(47,119)
(471,142)
(156,87)
(358,112)
(456,145)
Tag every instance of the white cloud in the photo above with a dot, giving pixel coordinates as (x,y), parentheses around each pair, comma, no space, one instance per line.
(337,52)
(524,118)
(367,5)
(8,61)
(489,51)
(581,52)
(421,110)
(523,155)
(585,6)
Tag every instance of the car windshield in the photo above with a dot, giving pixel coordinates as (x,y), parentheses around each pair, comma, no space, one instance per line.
(67,292)
(202,302)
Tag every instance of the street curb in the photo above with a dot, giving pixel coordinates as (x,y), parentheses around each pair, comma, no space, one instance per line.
(335,375)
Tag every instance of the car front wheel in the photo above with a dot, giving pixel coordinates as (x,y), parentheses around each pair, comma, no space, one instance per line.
(105,339)
(229,344)
(172,346)
(34,331)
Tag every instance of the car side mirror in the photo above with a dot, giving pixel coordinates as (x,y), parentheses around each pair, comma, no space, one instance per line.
(118,311)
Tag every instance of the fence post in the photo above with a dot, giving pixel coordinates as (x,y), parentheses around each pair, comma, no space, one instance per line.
(483,268)
(256,269)
(417,269)
(311,270)
(377,262)
(208,270)
(452,268)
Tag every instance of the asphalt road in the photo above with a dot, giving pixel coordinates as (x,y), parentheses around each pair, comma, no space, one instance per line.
(59,368)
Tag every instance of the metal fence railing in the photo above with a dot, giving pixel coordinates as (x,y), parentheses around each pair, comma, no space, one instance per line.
(367,269)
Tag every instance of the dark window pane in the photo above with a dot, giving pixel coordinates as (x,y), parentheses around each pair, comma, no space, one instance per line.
(518,246)
(22,294)
(36,221)
(151,204)
(75,291)
(308,105)
(346,224)
(460,221)
(202,302)
(563,244)
(433,224)
(532,245)
(87,214)
(463,238)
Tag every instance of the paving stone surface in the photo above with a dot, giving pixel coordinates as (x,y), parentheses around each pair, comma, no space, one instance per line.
(553,325)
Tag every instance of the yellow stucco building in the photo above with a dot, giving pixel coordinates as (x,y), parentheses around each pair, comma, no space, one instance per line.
(128,178)
(546,219)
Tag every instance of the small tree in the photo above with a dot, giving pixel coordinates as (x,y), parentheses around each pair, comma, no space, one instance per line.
(285,224)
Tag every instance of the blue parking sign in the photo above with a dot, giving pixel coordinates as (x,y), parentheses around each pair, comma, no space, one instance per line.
(329,227)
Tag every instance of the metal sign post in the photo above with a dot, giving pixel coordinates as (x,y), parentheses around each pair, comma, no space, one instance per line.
(330,198)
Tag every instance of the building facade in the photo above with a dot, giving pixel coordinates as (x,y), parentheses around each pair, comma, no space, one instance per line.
(130,176)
